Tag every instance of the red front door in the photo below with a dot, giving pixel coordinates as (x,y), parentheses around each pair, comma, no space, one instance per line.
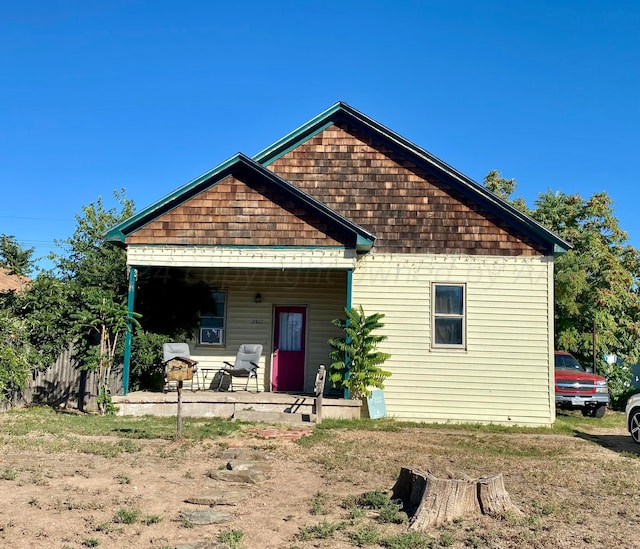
(288,349)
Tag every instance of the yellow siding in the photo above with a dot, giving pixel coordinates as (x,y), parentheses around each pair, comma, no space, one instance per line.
(505,374)
(322,292)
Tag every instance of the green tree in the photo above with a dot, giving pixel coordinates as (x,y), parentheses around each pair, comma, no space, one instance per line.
(13,257)
(94,273)
(34,322)
(88,260)
(45,309)
(14,361)
(504,188)
(355,358)
(107,321)
(596,282)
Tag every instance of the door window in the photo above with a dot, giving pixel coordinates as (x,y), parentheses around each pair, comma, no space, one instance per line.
(290,333)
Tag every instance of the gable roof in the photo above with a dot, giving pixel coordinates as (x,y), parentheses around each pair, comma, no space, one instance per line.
(343,113)
(245,166)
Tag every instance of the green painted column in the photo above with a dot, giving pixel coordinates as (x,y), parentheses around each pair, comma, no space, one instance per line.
(129,335)
(348,306)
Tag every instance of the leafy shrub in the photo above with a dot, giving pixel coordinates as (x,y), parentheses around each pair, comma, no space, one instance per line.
(356,360)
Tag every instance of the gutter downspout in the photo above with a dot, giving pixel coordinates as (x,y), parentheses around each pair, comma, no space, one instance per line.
(128,336)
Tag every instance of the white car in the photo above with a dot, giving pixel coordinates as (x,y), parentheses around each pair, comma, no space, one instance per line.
(633,417)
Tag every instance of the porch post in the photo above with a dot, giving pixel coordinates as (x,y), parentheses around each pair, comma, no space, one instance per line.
(128,336)
(348,306)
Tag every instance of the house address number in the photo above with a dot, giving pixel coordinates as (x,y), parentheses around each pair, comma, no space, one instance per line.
(257,321)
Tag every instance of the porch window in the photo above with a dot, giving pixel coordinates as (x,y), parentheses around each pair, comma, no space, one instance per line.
(213,320)
(448,316)
(290,331)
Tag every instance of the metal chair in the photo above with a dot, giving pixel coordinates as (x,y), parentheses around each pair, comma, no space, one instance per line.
(246,365)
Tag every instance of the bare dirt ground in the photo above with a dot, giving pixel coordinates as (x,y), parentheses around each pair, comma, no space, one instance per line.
(573,491)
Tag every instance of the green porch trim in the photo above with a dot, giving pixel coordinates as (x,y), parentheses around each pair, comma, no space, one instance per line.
(126,369)
(348,306)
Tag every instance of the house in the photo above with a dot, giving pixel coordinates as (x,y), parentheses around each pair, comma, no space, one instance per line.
(10,282)
(345,212)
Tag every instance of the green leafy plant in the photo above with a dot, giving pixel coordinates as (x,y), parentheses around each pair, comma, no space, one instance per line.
(408,540)
(126,516)
(233,538)
(355,359)
(388,509)
(108,320)
(324,530)
(151,519)
(8,474)
(373,500)
(319,504)
(122,479)
(366,535)
(618,376)
(14,362)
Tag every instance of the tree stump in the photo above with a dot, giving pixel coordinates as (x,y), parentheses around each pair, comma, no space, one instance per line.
(430,501)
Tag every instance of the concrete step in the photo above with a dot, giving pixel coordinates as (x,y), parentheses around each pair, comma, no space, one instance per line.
(274,417)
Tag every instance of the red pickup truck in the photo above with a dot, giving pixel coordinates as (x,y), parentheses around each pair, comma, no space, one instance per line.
(579,388)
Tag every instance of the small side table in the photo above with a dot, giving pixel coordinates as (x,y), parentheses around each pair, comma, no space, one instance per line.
(206,372)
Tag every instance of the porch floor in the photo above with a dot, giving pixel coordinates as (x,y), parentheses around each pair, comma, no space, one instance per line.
(247,405)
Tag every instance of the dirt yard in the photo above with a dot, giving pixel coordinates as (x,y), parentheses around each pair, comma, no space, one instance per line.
(572,491)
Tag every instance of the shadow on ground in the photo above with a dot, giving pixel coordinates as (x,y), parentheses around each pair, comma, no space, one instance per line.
(622,444)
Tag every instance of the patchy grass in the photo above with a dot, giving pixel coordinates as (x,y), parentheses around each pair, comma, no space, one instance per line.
(86,470)
(46,420)
(127,516)
(567,423)
(324,530)
(320,504)
(232,538)
(121,478)
(8,474)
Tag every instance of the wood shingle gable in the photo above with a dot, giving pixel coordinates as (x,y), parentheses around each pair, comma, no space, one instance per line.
(411,200)
(408,209)
(240,203)
(232,213)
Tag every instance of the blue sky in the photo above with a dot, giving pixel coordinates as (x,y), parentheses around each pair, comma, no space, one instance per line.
(149,94)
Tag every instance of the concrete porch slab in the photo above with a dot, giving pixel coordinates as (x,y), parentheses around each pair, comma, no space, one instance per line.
(235,404)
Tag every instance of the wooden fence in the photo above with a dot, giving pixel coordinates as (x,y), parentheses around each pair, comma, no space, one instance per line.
(64,385)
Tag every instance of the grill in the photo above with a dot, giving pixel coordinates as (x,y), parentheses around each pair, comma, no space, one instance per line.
(576,387)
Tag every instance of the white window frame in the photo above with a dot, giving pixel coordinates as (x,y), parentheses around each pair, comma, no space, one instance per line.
(215,334)
(438,315)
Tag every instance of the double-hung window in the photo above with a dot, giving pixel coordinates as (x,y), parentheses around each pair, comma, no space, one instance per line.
(448,319)
(211,330)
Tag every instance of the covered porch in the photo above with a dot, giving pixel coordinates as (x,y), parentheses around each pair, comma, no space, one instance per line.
(283,300)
